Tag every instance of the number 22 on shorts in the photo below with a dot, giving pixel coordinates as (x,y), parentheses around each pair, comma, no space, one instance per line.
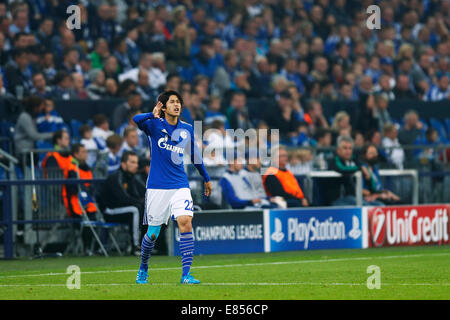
(189,205)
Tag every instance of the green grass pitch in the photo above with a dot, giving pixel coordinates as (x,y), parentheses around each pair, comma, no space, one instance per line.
(405,273)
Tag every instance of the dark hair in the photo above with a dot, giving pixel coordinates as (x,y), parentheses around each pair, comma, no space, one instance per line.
(83,129)
(76,148)
(126,155)
(164,97)
(99,119)
(366,147)
(31,103)
(114,141)
(58,135)
(321,132)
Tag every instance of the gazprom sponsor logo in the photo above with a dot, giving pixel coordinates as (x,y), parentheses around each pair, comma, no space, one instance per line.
(162,143)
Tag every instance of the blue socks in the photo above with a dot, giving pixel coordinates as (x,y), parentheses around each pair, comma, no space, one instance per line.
(186,251)
(146,251)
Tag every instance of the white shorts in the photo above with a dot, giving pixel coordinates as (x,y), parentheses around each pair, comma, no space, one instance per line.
(161,204)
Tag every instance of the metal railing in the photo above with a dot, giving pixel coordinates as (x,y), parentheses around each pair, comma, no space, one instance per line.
(358,184)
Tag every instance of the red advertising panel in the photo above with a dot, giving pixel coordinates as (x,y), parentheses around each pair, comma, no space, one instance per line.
(408,225)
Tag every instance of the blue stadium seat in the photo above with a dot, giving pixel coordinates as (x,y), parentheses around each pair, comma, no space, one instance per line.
(440,128)
(447,125)
(74,127)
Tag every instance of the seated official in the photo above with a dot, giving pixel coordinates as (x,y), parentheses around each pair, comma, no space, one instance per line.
(372,186)
(80,197)
(341,191)
(60,158)
(238,191)
(118,196)
(279,181)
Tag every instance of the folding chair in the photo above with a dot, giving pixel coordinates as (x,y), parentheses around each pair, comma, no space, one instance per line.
(84,199)
(100,223)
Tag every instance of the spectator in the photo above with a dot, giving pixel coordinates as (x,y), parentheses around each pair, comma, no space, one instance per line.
(40,87)
(282,116)
(394,152)
(411,129)
(111,67)
(367,115)
(372,187)
(439,92)
(402,89)
(341,191)
(111,88)
(324,154)
(205,62)
(237,112)
(121,53)
(300,161)
(70,62)
(96,90)
(341,125)
(143,86)
(134,102)
(237,190)
(63,86)
(217,138)
(78,85)
(92,145)
(49,120)
(381,112)
(101,52)
(279,181)
(101,127)
(25,130)
(131,141)
(314,116)
(213,113)
(158,72)
(113,144)
(18,74)
(118,197)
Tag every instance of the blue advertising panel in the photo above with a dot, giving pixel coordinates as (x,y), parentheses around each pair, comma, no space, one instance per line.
(308,229)
(225,232)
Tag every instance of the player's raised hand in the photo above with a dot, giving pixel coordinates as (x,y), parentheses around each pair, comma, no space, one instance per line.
(208,188)
(157,109)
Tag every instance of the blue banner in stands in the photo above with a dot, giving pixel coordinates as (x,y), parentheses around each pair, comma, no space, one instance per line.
(225,232)
(307,229)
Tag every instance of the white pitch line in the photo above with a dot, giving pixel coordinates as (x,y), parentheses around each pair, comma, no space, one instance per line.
(231,284)
(239,265)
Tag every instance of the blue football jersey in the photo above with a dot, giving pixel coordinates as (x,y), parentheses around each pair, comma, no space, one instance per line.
(167,145)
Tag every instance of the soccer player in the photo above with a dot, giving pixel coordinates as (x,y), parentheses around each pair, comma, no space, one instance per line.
(168,194)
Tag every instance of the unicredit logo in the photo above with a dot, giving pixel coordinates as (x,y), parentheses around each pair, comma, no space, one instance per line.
(397,226)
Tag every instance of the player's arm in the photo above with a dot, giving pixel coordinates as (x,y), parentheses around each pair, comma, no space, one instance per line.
(141,119)
(197,160)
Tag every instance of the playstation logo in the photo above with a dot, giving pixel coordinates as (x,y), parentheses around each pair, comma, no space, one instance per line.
(278,235)
(355,233)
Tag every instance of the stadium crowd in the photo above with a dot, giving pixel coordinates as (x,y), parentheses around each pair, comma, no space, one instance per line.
(220,54)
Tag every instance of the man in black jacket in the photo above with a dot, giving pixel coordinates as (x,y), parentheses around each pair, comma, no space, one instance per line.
(119,197)
(341,191)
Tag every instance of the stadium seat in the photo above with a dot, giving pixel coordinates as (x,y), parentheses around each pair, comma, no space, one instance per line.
(440,128)
(74,127)
(447,125)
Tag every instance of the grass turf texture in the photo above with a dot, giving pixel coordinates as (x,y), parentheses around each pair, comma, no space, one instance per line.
(406,273)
